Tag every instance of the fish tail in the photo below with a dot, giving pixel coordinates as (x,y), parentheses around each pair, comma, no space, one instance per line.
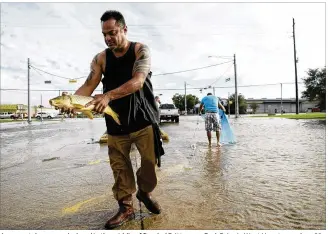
(109,111)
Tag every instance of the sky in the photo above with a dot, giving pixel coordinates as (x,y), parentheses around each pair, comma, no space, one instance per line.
(62,39)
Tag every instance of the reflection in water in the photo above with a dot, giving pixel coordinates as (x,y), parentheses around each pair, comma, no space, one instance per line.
(273,178)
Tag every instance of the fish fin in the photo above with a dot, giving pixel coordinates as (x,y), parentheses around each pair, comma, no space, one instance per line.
(109,111)
(88,113)
(78,106)
(83,108)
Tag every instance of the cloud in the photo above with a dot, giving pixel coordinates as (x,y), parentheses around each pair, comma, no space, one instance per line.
(62,38)
(172,84)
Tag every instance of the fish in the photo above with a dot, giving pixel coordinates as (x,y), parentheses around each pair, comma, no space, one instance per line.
(164,135)
(78,102)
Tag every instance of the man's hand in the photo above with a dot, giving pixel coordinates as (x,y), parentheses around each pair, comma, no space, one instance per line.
(100,102)
(222,107)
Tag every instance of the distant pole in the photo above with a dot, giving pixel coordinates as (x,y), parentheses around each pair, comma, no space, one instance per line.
(28,92)
(236,89)
(214,91)
(295,62)
(185,83)
(280,98)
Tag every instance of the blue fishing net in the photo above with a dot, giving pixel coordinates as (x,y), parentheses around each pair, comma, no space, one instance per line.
(226,135)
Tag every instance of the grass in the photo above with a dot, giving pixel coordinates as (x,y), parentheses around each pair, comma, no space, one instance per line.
(10,120)
(315,115)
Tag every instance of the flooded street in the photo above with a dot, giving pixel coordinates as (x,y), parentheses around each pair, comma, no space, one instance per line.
(53,176)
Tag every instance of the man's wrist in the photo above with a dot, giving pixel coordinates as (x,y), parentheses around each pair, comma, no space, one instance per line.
(109,96)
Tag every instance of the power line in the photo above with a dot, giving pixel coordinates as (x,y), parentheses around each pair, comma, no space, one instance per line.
(258,85)
(162,74)
(221,75)
(39,74)
(57,75)
(169,73)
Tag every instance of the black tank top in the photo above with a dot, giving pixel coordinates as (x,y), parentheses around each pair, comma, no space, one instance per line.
(137,110)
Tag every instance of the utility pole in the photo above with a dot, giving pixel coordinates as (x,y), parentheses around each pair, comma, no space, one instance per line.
(280,98)
(28,92)
(185,83)
(295,62)
(236,90)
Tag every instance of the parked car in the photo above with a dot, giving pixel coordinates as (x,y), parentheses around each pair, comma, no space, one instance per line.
(45,115)
(6,115)
(169,112)
(16,116)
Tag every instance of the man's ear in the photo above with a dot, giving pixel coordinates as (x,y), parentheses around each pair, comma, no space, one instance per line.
(125,29)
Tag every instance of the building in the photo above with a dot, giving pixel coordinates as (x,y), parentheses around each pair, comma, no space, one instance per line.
(275,105)
(266,105)
(15,109)
(22,109)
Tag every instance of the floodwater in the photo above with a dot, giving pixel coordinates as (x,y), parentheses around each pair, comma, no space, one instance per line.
(54,176)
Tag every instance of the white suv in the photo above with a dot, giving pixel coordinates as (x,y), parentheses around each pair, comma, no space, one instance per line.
(6,115)
(45,115)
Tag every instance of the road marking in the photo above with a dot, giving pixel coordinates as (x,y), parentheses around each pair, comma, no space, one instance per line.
(76,207)
(94,162)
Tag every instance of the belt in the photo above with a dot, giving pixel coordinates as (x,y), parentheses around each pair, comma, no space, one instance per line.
(211,112)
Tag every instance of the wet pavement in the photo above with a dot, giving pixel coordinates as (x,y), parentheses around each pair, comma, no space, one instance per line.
(54,176)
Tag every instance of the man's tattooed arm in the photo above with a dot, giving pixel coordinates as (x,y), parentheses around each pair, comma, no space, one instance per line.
(93,79)
(140,71)
(142,63)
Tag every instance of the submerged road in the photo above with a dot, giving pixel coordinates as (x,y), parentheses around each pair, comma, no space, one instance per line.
(54,176)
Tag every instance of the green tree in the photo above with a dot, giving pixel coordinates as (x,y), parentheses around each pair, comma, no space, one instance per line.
(315,84)
(241,103)
(179,101)
(254,107)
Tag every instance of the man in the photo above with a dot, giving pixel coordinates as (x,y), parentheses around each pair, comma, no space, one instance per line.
(164,135)
(125,66)
(212,121)
(158,101)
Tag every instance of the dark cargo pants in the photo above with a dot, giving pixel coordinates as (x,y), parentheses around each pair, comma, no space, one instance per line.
(119,156)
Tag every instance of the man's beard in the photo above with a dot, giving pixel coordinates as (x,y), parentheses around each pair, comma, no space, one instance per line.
(118,49)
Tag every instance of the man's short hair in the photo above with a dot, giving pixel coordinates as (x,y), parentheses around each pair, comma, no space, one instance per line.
(112,14)
(209,94)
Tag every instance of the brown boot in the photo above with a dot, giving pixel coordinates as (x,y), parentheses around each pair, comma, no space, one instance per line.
(151,204)
(124,214)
